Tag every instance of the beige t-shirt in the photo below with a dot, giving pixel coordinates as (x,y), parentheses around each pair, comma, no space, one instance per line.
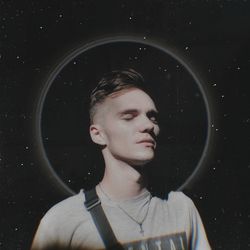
(172,224)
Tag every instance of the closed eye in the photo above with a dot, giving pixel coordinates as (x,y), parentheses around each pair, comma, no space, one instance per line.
(153,116)
(154,119)
(128,117)
(128,114)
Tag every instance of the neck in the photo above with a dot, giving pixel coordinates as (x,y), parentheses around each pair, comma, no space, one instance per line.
(122,181)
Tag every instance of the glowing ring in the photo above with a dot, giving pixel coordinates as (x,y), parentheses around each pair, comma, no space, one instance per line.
(100,42)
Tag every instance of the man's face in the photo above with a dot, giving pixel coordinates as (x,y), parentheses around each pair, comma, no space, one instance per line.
(128,126)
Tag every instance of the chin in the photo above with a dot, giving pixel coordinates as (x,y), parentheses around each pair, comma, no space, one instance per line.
(143,160)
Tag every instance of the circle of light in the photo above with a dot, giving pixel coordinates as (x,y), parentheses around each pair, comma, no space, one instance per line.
(87,46)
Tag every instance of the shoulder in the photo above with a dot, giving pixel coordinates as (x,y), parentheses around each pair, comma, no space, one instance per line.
(182,203)
(72,202)
(177,201)
(179,197)
(60,222)
(72,207)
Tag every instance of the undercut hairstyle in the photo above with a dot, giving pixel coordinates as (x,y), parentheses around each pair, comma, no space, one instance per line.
(113,82)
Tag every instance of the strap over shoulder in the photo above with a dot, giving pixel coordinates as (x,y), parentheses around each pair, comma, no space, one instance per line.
(93,205)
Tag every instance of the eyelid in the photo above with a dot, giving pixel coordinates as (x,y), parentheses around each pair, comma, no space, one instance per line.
(154,116)
(128,115)
(155,120)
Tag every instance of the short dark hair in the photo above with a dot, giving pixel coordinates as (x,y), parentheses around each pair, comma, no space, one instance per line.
(112,82)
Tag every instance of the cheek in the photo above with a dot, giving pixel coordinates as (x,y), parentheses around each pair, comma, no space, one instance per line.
(116,133)
(121,134)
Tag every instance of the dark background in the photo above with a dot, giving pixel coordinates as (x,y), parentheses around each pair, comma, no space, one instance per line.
(212,35)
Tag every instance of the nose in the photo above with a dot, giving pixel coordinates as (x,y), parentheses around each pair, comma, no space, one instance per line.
(147,125)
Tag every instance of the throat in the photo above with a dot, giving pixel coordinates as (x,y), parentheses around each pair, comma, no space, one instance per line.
(123,185)
(122,190)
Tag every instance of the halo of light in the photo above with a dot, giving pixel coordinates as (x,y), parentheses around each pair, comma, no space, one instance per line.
(115,39)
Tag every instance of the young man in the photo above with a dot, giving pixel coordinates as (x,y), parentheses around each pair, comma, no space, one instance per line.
(124,125)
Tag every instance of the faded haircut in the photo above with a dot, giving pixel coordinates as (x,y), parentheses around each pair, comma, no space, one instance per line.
(112,82)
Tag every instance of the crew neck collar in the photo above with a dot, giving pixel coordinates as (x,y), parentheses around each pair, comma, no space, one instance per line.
(113,202)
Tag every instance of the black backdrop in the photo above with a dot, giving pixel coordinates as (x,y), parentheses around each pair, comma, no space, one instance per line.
(212,35)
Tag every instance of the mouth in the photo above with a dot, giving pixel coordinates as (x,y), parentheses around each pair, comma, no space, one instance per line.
(147,142)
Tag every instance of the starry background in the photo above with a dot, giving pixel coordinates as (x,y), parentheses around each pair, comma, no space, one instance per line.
(35,35)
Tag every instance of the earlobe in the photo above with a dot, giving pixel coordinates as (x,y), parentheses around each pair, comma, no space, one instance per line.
(96,134)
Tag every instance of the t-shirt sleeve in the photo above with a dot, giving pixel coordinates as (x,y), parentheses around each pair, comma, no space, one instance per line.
(46,236)
(58,225)
(199,239)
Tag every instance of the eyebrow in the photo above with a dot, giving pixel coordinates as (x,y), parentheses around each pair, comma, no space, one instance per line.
(136,111)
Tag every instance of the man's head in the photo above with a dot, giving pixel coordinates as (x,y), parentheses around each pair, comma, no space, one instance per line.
(124,118)
(113,82)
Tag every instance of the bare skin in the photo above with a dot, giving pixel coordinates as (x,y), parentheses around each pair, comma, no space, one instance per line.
(125,126)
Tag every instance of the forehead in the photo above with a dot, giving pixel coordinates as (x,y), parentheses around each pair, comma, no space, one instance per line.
(129,99)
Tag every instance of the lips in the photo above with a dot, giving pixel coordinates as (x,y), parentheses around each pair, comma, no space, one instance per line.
(149,141)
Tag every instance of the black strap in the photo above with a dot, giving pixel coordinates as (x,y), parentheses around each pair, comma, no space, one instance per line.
(93,205)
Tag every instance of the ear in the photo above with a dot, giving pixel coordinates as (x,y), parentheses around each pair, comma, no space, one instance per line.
(96,134)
